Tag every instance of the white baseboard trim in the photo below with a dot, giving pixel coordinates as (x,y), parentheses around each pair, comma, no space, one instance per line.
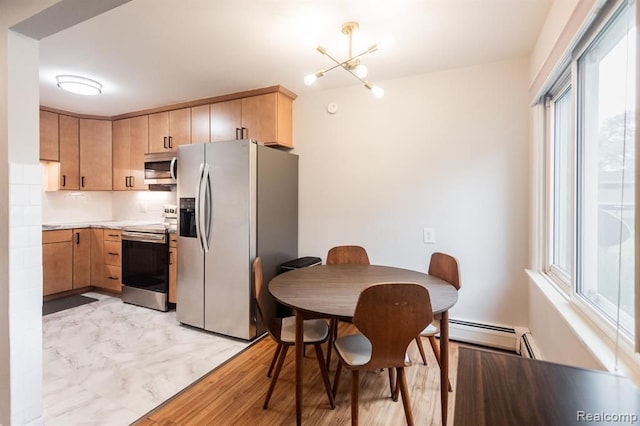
(516,339)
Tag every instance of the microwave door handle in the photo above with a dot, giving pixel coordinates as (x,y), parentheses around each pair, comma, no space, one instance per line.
(205,208)
(198,208)
(172,168)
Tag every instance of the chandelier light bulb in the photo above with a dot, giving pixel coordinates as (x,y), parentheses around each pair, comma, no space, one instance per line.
(362,71)
(377,91)
(310,79)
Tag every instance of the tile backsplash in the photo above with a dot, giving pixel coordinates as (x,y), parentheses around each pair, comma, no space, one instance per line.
(87,206)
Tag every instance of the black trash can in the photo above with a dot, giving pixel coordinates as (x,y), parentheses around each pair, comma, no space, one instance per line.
(301,262)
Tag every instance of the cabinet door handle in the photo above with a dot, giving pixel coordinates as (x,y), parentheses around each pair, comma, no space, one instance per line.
(164,139)
(64,180)
(114,254)
(126,181)
(131,181)
(170,257)
(82,182)
(112,278)
(170,142)
(238,133)
(244,129)
(77,238)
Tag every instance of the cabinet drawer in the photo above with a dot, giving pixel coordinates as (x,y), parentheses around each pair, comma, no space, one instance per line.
(112,235)
(112,278)
(56,236)
(112,253)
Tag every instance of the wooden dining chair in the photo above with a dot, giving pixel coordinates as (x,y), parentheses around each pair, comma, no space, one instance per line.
(381,343)
(282,331)
(347,255)
(446,268)
(343,255)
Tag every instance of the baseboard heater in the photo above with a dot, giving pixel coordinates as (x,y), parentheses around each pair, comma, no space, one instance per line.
(515,339)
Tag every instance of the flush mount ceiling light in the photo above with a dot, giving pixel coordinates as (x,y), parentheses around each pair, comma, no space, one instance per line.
(352,64)
(79,85)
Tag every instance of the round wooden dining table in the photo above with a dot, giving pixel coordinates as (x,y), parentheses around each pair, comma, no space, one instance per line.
(333,291)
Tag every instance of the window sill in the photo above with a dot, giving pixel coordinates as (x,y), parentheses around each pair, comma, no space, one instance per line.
(595,340)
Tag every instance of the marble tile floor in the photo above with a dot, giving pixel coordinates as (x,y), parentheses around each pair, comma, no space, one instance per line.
(109,363)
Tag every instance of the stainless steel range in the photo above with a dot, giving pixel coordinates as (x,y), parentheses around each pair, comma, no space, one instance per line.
(145,266)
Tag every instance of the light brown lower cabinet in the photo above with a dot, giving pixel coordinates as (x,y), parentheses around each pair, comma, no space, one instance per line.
(173,267)
(57,261)
(81,258)
(97,256)
(112,260)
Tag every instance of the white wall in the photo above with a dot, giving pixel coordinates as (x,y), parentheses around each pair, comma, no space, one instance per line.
(446,150)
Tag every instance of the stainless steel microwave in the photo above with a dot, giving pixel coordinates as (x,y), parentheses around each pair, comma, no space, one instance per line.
(160,168)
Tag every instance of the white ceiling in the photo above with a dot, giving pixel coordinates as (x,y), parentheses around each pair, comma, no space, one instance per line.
(149,53)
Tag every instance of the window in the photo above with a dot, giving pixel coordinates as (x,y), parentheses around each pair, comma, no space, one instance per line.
(606,171)
(561,222)
(591,171)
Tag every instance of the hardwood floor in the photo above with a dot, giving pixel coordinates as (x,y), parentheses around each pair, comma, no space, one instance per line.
(233,394)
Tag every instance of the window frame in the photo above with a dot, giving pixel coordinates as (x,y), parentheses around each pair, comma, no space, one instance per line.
(567,79)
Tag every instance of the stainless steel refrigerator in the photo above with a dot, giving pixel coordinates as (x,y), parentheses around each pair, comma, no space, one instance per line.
(237,200)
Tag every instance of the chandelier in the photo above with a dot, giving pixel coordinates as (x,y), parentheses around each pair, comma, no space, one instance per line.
(352,64)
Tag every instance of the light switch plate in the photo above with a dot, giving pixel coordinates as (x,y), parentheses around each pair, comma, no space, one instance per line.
(429,235)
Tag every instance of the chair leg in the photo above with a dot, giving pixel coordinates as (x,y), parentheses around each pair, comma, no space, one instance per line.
(276,373)
(333,333)
(275,358)
(436,352)
(396,389)
(392,383)
(355,385)
(336,379)
(406,402)
(325,374)
(421,349)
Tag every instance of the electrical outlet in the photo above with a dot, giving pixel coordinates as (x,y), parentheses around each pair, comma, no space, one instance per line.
(429,235)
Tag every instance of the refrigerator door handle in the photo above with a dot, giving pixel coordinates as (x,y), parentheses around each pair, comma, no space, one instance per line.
(204,215)
(208,210)
(199,207)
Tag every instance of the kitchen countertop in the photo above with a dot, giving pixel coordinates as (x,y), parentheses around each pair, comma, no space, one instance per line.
(111,224)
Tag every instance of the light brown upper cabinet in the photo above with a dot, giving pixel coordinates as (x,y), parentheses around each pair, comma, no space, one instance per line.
(226,120)
(130,143)
(200,124)
(96,155)
(69,174)
(85,155)
(169,129)
(266,118)
(49,136)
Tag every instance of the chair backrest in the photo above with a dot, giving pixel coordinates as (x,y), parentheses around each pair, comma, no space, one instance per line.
(446,268)
(347,255)
(391,315)
(271,322)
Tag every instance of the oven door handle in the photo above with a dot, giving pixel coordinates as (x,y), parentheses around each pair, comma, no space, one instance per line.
(208,208)
(198,212)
